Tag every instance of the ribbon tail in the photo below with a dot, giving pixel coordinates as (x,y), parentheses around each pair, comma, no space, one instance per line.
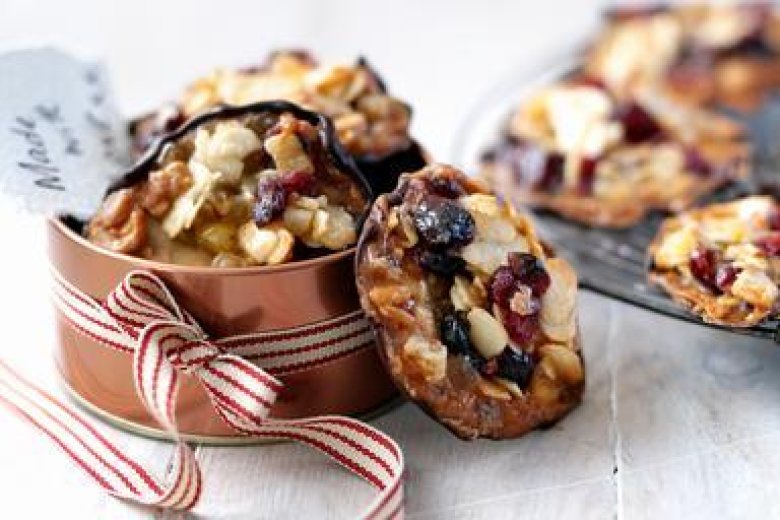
(100,460)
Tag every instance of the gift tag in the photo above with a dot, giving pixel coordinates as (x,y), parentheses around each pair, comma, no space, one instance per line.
(62,141)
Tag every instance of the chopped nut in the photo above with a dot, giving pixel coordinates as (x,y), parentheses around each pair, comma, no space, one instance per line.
(522,303)
(724,230)
(164,186)
(564,362)
(511,386)
(224,151)
(429,356)
(466,295)
(228,260)
(186,207)
(390,295)
(486,333)
(543,387)
(746,256)
(298,220)
(268,245)
(320,224)
(496,234)
(119,225)
(558,303)
(116,209)
(129,237)
(676,248)
(494,390)
(338,82)
(218,237)
(287,152)
(333,228)
(755,287)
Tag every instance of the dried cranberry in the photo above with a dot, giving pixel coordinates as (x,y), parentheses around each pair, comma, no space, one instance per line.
(501,286)
(726,275)
(441,263)
(552,176)
(587,176)
(443,223)
(455,334)
(695,163)
(530,271)
(297,181)
(515,365)
(271,200)
(770,244)
(704,267)
(639,126)
(774,218)
(522,329)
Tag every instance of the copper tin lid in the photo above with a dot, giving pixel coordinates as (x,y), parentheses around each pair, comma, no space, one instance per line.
(226,302)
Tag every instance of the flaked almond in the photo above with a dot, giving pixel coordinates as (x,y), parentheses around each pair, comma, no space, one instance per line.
(486,333)
(510,386)
(466,295)
(564,363)
(557,314)
(543,388)
(494,390)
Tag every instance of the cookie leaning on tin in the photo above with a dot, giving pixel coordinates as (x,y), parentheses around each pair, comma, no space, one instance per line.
(476,322)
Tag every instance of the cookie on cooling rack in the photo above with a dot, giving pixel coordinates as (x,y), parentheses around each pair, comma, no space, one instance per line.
(722,261)
(476,322)
(577,150)
(728,54)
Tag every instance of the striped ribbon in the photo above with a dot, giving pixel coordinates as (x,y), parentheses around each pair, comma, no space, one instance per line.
(142,318)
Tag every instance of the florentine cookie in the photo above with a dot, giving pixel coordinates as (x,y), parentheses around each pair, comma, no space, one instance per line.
(577,150)
(722,261)
(257,185)
(475,321)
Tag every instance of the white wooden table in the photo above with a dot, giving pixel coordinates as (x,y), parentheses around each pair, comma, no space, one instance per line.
(678,421)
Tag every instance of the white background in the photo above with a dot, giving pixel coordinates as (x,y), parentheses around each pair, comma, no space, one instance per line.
(689,418)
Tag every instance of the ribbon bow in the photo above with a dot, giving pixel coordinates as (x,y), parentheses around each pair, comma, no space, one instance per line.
(142,317)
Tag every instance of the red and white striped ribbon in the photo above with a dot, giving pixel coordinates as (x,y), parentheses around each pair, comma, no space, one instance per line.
(141,317)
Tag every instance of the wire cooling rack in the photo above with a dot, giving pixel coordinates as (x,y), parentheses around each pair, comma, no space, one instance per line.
(614,262)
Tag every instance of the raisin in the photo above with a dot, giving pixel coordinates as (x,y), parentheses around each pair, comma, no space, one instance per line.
(442,263)
(448,188)
(455,334)
(639,126)
(443,223)
(271,201)
(515,365)
(530,271)
(704,267)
